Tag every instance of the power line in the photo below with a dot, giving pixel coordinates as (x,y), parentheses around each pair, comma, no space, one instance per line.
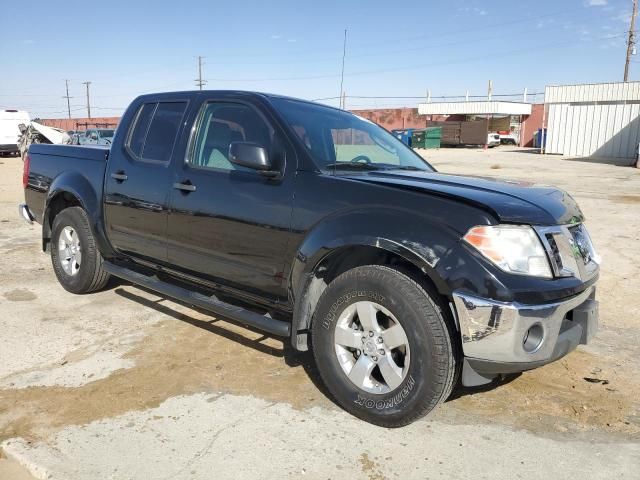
(405,97)
(553,45)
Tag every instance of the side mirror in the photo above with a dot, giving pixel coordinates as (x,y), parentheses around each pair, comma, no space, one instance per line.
(250,155)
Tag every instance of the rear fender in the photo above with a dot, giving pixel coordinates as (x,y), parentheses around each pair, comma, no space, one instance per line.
(75,189)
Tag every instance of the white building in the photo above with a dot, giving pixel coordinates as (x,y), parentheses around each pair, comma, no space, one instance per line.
(597,120)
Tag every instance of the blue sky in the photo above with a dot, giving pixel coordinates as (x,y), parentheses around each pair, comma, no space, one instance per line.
(127,48)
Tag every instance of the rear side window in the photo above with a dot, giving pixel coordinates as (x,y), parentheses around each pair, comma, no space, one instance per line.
(156,130)
(136,140)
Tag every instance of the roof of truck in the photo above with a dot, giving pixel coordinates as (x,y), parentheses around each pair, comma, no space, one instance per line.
(248,93)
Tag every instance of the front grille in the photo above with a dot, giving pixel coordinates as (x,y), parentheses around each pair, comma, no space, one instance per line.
(570,250)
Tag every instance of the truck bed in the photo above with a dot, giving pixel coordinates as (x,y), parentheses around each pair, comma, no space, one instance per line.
(48,163)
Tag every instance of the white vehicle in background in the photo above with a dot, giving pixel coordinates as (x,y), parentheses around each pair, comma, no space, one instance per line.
(9,131)
(509,138)
(493,139)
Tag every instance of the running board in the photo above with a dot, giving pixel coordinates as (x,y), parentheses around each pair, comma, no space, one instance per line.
(212,304)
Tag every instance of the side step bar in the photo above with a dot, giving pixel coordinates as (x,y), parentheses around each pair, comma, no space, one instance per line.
(212,304)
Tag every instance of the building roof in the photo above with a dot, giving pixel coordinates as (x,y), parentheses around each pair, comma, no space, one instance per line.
(475,108)
(593,92)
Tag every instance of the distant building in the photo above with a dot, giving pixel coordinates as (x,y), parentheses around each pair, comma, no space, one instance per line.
(394,118)
(520,119)
(593,120)
(80,123)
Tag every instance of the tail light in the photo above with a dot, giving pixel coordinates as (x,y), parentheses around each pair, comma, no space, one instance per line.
(25,170)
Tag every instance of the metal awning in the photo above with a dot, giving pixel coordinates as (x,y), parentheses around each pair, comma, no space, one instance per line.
(475,108)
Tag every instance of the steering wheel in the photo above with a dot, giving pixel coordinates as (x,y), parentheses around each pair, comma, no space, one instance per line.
(361,158)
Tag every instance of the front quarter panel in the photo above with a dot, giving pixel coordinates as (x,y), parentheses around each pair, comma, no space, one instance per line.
(335,212)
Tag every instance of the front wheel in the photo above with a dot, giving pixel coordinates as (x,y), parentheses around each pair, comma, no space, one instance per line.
(75,257)
(382,346)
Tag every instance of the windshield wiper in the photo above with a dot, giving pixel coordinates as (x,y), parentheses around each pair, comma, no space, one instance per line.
(353,165)
(408,167)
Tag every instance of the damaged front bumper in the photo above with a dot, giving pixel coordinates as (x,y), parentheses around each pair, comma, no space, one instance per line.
(500,338)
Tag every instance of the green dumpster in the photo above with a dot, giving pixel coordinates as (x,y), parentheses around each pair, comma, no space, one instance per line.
(432,135)
(418,139)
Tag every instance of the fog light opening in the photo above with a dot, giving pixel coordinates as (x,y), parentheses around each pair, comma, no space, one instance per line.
(533,338)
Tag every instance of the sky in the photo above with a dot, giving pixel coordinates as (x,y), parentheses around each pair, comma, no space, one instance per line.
(394,49)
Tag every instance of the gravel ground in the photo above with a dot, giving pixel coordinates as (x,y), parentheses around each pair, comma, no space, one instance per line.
(123,384)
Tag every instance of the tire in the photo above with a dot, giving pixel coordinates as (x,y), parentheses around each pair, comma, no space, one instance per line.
(394,298)
(75,258)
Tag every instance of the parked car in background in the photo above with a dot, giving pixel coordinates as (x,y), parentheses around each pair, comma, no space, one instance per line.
(93,136)
(493,139)
(77,138)
(508,138)
(310,223)
(98,136)
(10,130)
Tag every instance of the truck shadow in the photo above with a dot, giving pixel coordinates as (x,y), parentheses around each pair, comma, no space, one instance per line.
(291,357)
(460,390)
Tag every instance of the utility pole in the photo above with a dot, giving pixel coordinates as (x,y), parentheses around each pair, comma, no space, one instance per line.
(88,100)
(66,83)
(199,81)
(344,54)
(631,42)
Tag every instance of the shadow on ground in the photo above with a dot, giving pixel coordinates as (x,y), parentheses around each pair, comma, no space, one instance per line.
(291,357)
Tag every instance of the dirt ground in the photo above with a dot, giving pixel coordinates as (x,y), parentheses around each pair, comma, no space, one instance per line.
(124,384)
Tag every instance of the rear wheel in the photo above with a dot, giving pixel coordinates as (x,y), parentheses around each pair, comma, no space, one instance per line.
(75,258)
(382,346)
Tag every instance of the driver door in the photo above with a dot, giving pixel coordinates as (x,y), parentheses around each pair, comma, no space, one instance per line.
(229,224)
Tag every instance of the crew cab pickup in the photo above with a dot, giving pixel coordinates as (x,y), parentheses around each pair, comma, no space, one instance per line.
(311,223)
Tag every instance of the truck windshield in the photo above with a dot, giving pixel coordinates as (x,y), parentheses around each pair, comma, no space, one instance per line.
(338,140)
(106,133)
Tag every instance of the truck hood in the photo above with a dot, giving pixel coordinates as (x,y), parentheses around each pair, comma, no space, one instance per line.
(510,201)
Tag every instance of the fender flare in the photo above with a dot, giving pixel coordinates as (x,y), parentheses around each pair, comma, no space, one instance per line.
(415,242)
(79,187)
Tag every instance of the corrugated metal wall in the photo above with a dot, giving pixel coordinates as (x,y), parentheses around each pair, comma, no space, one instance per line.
(592,92)
(601,120)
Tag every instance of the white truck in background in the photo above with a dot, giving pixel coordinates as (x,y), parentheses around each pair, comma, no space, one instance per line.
(9,131)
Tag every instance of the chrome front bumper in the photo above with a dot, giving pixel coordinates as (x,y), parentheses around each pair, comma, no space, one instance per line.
(501,332)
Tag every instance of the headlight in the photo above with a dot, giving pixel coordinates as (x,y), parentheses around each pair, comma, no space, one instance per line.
(513,248)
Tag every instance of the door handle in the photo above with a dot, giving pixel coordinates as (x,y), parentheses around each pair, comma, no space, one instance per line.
(119,176)
(185,187)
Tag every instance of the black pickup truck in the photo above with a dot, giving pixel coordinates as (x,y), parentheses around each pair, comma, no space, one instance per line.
(311,223)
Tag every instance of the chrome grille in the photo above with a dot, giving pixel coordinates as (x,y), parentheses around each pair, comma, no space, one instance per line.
(570,250)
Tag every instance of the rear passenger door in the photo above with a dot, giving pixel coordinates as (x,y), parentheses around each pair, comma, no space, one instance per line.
(138,181)
(229,224)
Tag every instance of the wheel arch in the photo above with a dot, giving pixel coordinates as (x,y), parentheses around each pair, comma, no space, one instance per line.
(71,189)
(355,252)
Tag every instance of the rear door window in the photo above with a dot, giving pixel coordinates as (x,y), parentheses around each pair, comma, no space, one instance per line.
(139,132)
(156,130)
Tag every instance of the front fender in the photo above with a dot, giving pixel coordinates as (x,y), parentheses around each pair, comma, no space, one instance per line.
(402,233)
(415,238)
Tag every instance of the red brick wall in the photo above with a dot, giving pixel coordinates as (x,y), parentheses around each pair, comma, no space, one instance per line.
(80,123)
(531,124)
(394,118)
